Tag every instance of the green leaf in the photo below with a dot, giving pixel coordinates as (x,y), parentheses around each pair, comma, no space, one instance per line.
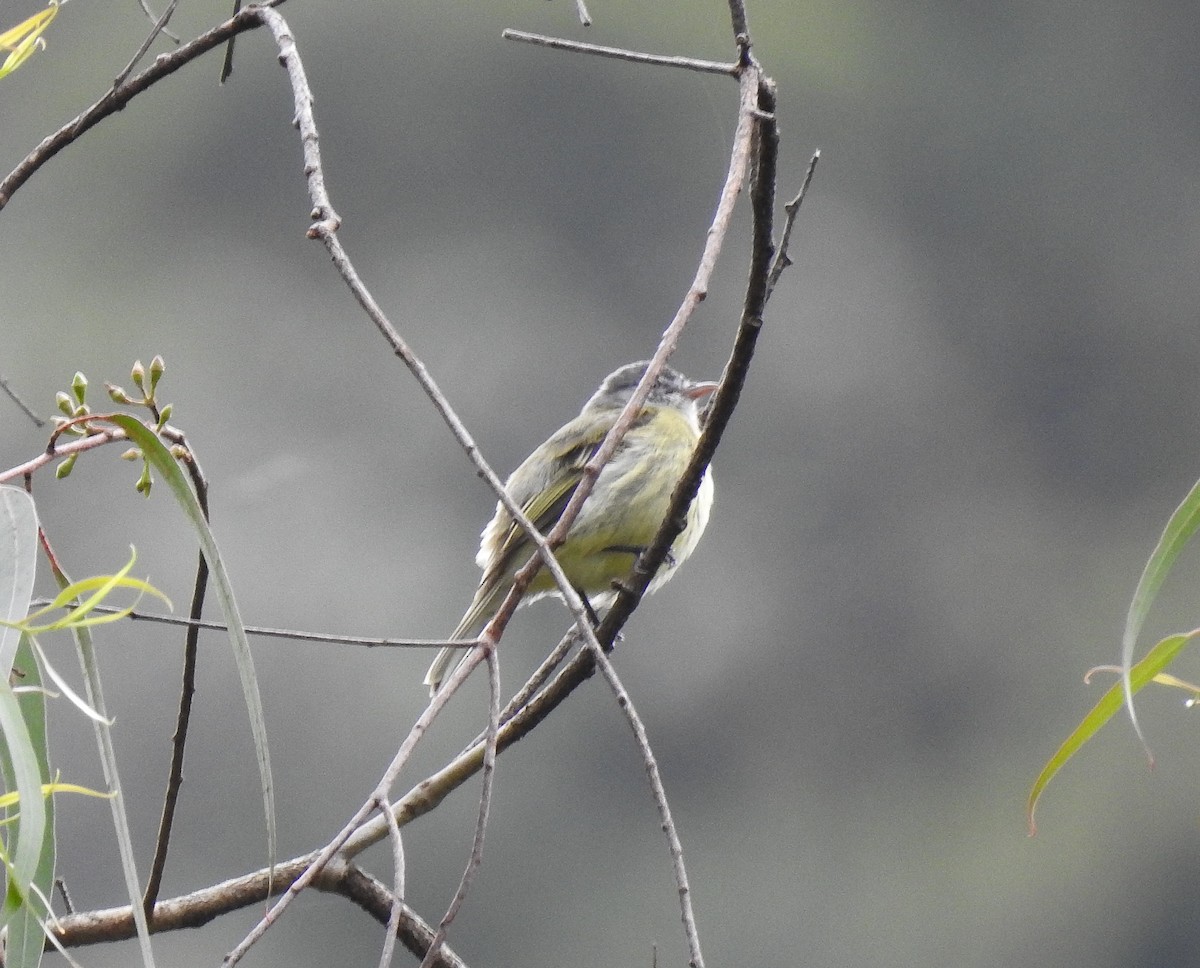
(18,562)
(64,687)
(1110,703)
(157,454)
(108,761)
(100,587)
(1178,532)
(26,940)
(26,37)
(26,775)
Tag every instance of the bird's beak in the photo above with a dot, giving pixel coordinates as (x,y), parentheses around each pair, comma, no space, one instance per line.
(698,391)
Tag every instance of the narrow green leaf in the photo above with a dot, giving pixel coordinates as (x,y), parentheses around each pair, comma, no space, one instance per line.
(108,761)
(18,562)
(64,687)
(79,613)
(158,455)
(26,938)
(1178,532)
(12,799)
(26,774)
(26,37)
(1110,703)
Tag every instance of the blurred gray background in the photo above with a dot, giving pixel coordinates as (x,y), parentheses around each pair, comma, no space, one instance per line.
(973,409)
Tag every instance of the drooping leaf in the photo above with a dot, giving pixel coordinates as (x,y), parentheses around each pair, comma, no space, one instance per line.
(25,38)
(100,587)
(18,560)
(26,939)
(1110,703)
(1179,531)
(167,467)
(108,761)
(18,563)
(26,777)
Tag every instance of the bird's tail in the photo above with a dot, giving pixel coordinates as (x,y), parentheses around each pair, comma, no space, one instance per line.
(443,665)
(447,660)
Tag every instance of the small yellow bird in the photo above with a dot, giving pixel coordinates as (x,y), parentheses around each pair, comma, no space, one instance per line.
(621,515)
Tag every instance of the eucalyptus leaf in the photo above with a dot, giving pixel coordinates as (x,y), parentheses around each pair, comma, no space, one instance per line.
(164,463)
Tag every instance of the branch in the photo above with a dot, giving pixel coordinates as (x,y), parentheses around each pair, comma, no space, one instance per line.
(159,27)
(97,439)
(399,891)
(186,693)
(485,805)
(159,22)
(792,208)
(121,94)
(12,395)
(619,53)
(370,642)
(664,808)
(200,907)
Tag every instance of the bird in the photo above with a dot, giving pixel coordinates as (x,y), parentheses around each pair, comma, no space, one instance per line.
(621,515)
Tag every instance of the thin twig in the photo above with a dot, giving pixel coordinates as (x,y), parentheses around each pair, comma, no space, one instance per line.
(660,800)
(158,22)
(200,907)
(376,800)
(12,395)
(398,888)
(97,439)
(227,63)
(186,694)
(485,805)
(741,28)
(158,28)
(539,678)
(116,99)
(265,632)
(620,53)
(792,208)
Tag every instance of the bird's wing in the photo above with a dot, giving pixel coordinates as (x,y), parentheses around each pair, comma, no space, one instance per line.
(545,506)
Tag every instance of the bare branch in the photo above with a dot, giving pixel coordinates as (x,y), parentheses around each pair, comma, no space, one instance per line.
(227,63)
(317,864)
(265,632)
(12,395)
(97,439)
(485,805)
(187,691)
(158,28)
(792,208)
(660,800)
(200,907)
(115,99)
(741,28)
(398,887)
(159,22)
(726,396)
(619,53)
